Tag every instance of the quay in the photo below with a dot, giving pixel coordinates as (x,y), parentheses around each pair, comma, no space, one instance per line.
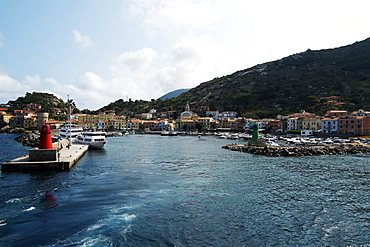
(66,159)
(48,156)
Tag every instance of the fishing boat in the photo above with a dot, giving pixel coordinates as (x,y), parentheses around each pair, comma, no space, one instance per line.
(95,139)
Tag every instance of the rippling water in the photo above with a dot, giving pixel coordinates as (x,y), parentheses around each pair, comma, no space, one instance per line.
(148,190)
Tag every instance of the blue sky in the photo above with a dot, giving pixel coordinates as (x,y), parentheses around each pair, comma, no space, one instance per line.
(99,51)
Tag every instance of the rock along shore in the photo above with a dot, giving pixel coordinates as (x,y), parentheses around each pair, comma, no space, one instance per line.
(30,140)
(286,151)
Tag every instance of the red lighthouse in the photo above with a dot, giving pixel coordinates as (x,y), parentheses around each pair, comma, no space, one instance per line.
(45,137)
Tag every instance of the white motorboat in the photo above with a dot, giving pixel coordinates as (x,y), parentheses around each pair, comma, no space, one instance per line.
(95,139)
(70,131)
(168,133)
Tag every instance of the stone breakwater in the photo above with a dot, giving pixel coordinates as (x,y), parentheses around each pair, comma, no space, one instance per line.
(30,140)
(285,151)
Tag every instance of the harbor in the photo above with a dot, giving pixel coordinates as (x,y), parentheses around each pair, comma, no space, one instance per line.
(61,155)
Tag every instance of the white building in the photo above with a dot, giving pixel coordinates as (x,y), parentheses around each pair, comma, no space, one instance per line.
(292,123)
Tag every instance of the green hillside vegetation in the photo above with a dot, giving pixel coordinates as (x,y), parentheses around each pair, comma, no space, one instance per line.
(297,82)
(49,103)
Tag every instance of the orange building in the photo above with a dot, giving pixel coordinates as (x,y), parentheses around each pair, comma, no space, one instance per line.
(354,125)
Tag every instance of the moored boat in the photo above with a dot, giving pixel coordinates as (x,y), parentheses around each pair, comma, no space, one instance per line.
(70,131)
(168,133)
(95,139)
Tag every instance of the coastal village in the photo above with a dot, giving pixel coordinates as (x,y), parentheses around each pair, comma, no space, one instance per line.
(335,122)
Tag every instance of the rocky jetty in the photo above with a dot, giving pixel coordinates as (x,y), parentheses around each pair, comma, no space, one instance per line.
(11,130)
(31,139)
(286,151)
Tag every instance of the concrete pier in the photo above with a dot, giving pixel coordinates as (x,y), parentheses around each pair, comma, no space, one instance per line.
(66,159)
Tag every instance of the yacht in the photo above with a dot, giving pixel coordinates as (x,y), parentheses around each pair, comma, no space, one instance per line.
(95,139)
(70,131)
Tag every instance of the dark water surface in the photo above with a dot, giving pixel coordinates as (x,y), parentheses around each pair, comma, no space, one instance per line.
(148,190)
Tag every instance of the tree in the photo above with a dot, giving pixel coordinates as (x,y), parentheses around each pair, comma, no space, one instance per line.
(76,111)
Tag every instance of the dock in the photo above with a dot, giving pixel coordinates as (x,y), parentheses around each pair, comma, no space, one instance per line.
(66,159)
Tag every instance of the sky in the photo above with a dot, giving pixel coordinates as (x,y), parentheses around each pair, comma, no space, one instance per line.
(99,51)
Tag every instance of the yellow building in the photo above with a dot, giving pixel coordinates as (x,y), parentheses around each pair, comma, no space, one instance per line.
(5,117)
(30,123)
(136,123)
(87,121)
(186,124)
(105,117)
(205,122)
(118,124)
(309,123)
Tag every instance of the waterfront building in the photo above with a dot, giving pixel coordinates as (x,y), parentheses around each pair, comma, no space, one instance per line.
(309,123)
(5,117)
(354,125)
(105,116)
(118,124)
(162,124)
(329,125)
(185,124)
(135,124)
(274,125)
(102,125)
(248,123)
(82,119)
(292,123)
(240,123)
(205,122)
(232,123)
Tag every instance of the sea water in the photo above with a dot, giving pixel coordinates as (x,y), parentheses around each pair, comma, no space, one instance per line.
(151,190)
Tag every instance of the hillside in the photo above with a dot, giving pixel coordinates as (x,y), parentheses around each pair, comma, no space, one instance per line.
(293,83)
(173,94)
(49,103)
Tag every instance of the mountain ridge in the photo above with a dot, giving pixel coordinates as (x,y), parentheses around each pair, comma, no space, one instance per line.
(174,93)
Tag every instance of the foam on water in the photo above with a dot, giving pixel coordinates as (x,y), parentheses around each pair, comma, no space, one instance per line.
(13,200)
(29,209)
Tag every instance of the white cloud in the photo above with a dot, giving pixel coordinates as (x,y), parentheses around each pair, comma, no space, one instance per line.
(82,41)
(9,84)
(172,14)
(134,61)
(32,81)
(11,89)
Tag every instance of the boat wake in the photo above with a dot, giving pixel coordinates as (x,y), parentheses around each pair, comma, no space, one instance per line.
(100,233)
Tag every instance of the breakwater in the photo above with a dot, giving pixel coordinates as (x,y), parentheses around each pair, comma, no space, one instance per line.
(286,151)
